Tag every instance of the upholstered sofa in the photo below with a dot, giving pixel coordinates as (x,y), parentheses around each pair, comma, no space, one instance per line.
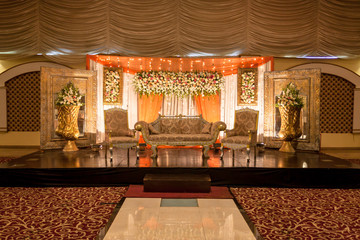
(180,130)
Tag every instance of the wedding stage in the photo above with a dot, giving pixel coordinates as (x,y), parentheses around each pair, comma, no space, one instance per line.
(270,169)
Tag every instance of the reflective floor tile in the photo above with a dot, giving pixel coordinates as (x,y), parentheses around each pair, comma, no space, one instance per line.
(141,203)
(176,202)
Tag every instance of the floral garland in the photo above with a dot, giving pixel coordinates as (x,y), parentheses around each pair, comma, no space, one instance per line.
(248,87)
(289,96)
(69,96)
(112,89)
(178,83)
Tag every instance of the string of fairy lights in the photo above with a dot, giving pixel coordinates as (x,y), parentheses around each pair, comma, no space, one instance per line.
(227,66)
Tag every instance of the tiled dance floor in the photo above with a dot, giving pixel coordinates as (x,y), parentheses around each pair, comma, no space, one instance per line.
(156,218)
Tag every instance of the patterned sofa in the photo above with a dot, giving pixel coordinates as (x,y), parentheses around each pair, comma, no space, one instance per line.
(180,130)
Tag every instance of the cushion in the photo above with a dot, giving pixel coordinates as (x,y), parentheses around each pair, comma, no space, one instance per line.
(173,138)
(245,121)
(124,139)
(190,125)
(236,139)
(206,129)
(170,126)
(125,132)
(231,133)
(153,130)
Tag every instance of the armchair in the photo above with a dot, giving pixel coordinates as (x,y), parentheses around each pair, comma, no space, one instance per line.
(244,133)
(117,132)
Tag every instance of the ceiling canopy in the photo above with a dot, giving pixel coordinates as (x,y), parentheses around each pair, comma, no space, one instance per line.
(65,31)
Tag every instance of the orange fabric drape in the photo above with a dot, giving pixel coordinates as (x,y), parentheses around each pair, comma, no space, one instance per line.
(149,107)
(209,107)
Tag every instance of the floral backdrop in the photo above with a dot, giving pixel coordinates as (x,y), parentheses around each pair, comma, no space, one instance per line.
(181,84)
(113,85)
(247,87)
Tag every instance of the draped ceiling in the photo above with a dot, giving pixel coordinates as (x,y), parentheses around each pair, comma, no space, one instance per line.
(65,31)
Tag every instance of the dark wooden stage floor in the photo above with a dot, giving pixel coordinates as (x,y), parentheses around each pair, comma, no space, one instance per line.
(271,168)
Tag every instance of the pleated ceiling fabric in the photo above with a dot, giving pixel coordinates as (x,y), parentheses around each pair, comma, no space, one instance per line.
(65,31)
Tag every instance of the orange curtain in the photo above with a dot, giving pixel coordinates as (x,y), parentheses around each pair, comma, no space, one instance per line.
(209,107)
(149,107)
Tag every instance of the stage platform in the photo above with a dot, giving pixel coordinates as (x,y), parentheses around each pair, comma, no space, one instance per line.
(270,169)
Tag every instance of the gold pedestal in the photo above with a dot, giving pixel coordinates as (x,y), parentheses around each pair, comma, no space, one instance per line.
(287,147)
(70,146)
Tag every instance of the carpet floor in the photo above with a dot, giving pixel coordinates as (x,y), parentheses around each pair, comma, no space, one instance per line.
(6,159)
(56,213)
(302,213)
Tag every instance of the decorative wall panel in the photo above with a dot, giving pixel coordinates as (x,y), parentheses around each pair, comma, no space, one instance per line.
(247,87)
(23,102)
(52,81)
(336,104)
(308,82)
(113,85)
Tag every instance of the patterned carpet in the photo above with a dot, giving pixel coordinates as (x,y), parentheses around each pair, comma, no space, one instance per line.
(6,159)
(302,213)
(56,213)
(356,161)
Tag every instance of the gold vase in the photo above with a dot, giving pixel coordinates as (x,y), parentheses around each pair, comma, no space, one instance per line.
(68,126)
(290,127)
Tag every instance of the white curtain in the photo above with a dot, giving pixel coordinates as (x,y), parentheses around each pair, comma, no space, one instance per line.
(229,100)
(173,105)
(100,126)
(129,101)
(65,31)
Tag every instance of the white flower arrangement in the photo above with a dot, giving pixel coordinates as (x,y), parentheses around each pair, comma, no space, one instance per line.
(178,83)
(112,89)
(69,96)
(248,87)
(289,96)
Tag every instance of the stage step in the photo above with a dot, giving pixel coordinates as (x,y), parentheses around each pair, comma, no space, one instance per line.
(200,183)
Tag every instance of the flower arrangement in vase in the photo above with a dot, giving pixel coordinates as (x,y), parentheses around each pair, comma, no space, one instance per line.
(68,103)
(290,104)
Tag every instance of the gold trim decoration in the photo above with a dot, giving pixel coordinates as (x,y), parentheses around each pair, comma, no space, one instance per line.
(247,87)
(113,85)
(308,83)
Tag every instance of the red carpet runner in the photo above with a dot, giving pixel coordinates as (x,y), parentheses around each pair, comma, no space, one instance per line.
(56,213)
(137,191)
(302,213)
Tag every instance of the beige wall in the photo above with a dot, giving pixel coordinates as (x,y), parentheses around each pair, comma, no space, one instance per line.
(286,63)
(5,65)
(19,138)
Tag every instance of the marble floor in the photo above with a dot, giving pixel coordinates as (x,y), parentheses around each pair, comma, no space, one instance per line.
(156,218)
